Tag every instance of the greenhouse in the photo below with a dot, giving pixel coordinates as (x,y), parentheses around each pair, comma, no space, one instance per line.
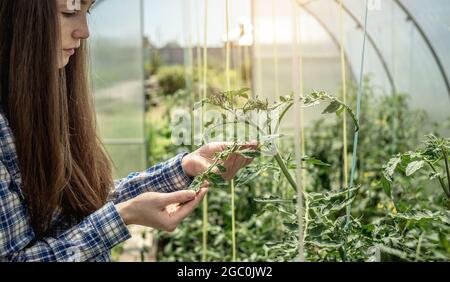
(336,111)
(393,54)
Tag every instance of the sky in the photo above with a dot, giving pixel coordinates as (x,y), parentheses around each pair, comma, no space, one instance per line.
(168,20)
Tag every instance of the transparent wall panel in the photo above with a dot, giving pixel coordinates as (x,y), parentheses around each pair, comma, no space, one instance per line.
(273,53)
(117,73)
(127,158)
(409,59)
(397,55)
(328,13)
(433,17)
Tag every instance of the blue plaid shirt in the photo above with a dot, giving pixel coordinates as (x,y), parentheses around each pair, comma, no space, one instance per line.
(88,240)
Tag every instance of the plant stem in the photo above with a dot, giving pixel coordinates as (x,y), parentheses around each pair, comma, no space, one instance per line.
(306,215)
(419,245)
(447,169)
(439,178)
(285,171)
(233,221)
(281,162)
(204,93)
(205,228)
(283,113)
(233,211)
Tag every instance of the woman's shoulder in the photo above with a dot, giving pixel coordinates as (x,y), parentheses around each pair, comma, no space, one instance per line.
(8,155)
(4,124)
(6,137)
(3,120)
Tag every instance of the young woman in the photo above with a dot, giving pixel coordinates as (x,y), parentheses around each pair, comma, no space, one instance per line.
(58,201)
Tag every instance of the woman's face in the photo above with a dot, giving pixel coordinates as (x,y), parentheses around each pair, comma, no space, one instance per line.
(74,27)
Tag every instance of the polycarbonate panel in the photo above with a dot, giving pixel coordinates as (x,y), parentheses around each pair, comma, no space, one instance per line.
(433,17)
(117,73)
(127,158)
(408,58)
(327,11)
(396,53)
(274,52)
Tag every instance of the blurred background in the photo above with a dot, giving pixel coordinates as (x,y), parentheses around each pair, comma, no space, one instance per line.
(147,60)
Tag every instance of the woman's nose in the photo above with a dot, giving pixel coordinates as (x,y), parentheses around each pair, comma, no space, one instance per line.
(82,29)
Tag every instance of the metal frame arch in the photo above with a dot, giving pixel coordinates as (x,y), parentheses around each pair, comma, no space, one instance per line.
(329,32)
(427,42)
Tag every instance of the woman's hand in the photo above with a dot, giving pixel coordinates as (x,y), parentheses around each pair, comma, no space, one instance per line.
(199,161)
(163,211)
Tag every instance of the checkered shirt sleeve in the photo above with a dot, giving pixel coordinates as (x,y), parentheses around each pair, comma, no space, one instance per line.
(165,177)
(92,238)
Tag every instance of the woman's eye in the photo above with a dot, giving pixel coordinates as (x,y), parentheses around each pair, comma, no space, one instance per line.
(69,14)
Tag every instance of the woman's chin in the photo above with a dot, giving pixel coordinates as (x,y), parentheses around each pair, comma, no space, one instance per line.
(62,63)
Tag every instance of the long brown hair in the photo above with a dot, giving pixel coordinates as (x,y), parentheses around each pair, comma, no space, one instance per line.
(63,165)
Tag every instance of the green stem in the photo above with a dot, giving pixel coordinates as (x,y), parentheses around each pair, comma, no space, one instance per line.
(285,171)
(205,228)
(282,164)
(419,245)
(439,178)
(233,221)
(233,198)
(283,113)
(447,169)
(306,215)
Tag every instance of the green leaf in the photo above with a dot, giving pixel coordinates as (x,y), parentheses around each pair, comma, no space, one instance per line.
(207,124)
(271,200)
(338,206)
(413,167)
(390,167)
(392,251)
(434,175)
(418,215)
(242,93)
(215,178)
(340,111)
(291,226)
(221,168)
(314,161)
(333,107)
(196,184)
(386,186)
(323,244)
(249,153)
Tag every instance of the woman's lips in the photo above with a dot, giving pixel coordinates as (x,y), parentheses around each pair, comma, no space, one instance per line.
(69,51)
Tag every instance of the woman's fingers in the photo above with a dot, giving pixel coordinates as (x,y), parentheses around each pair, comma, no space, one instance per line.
(184,210)
(234,164)
(176,197)
(230,164)
(237,165)
(250,145)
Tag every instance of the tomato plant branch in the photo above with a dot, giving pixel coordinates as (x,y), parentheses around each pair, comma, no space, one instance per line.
(441,181)
(285,171)
(444,152)
(227,102)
